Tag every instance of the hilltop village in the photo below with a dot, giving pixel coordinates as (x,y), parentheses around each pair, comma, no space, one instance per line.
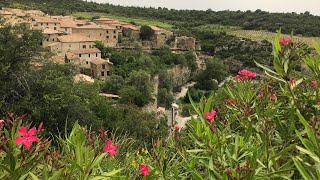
(73,41)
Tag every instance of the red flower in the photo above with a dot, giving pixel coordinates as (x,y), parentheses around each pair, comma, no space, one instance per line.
(260,95)
(314,83)
(26,136)
(210,115)
(176,127)
(284,41)
(40,127)
(110,149)
(273,97)
(244,75)
(247,74)
(292,82)
(144,169)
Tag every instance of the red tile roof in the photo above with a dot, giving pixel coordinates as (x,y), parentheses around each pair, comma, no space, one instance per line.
(75,38)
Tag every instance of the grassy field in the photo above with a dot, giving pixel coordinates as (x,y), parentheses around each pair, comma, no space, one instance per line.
(140,21)
(269,36)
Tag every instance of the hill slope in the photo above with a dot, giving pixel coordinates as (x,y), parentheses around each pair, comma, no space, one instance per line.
(304,24)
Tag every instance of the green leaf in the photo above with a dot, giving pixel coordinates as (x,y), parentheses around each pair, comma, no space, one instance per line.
(106,174)
(301,169)
(34,177)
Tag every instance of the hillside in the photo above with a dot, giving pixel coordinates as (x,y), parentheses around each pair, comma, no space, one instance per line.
(304,24)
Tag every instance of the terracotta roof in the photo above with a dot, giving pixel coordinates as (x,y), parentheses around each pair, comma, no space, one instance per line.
(51,31)
(132,27)
(104,19)
(46,20)
(94,26)
(68,23)
(86,51)
(75,38)
(99,61)
(155,28)
(4,12)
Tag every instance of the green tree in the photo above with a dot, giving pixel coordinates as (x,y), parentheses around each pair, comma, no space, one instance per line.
(113,84)
(146,32)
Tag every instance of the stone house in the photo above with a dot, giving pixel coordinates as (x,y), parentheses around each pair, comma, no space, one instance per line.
(75,42)
(160,36)
(108,35)
(132,32)
(100,68)
(46,22)
(185,43)
(51,36)
(83,56)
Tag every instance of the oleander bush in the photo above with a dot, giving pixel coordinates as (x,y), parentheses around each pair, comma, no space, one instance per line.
(252,128)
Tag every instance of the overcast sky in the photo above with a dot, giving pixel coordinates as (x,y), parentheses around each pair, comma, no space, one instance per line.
(267,5)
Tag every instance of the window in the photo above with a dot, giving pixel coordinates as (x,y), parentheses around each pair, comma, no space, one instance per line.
(108,73)
(79,55)
(53,39)
(84,46)
(114,32)
(103,66)
(107,31)
(107,37)
(87,62)
(89,55)
(100,34)
(96,54)
(41,24)
(102,73)
(55,28)
(47,24)
(69,60)
(65,29)
(115,37)
(47,40)
(55,24)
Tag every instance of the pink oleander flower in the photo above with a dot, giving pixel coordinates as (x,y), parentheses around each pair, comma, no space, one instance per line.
(314,83)
(27,137)
(273,97)
(40,127)
(176,127)
(2,123)
(244,75)
(144,169)
(247,74)
(210,115)
(285,41)
(261,95)
(292,82)
(110,149)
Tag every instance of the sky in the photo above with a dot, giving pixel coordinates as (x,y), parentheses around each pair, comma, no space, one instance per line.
(298,6)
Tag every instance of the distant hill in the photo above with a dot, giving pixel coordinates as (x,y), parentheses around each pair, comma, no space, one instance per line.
(303,24)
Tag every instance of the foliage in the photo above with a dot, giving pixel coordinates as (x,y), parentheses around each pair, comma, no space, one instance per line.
(249,129)
(113,84)
(146,32)
(164,98)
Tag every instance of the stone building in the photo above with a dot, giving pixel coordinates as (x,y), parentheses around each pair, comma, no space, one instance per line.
(83,57)
(46,22)
(100,68)
(131,32)
(75,42)
(185,43)
(108,35)
(51,36)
